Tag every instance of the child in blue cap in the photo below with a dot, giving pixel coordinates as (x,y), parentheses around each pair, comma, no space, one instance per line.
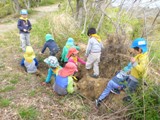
(24,26)
(136,68)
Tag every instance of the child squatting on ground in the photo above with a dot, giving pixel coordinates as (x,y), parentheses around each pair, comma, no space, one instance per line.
(69,44)
(93,52)
(73,57)
(53,70)
(51,44)
(24,27)
(29,61)
(64,83)
(136,68)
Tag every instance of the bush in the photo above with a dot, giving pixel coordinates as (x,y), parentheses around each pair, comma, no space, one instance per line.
(146,105)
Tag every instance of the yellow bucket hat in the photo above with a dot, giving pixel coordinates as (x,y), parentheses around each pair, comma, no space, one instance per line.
(29,54)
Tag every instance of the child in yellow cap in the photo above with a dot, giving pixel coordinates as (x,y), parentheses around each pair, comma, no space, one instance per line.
(29,61)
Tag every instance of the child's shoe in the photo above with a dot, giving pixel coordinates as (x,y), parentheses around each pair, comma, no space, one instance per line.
(94,76)
(127,99)
(98,103)
(115,91)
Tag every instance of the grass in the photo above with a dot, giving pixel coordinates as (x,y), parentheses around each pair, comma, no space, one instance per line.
(32,93)
(7,89)
(15,81)
(28,113)
(4,102)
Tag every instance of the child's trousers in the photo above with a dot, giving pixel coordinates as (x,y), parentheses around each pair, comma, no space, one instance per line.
(93,60)
(25,40)
(110,86)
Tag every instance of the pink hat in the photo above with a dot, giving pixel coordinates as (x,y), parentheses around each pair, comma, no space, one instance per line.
(68,70)
(72,51)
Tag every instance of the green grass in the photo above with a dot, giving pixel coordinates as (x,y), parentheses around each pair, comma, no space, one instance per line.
(4,102)
(49,2)
(15,81)
(32,93)
(7,89)
(29,113)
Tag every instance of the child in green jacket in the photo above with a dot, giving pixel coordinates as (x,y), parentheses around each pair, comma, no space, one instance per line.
(69,44)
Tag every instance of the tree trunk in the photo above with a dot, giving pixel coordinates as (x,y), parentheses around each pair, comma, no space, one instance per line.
(100,22)
(16,6)
(69,1)
(86,15)
(27,4)
(77,9)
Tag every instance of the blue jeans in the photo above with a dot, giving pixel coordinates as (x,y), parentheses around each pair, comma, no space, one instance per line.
(110,86)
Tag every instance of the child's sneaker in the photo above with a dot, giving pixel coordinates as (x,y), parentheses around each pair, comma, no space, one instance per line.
(115,91)
(94,76)
(127,99)
(98,103)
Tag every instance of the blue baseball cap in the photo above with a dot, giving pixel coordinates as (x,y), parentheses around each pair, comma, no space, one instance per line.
(141,43)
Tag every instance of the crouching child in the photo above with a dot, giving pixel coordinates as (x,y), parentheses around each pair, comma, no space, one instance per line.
(29,62)
(54,67)
(64,83)
(51,45)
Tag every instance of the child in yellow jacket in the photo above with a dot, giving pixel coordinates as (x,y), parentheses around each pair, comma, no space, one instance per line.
(136,68)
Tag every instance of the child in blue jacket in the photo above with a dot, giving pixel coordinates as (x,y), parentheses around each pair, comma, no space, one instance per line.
(24,27)
(51,44)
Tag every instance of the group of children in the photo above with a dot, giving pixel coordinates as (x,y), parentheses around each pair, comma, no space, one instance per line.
(128,78)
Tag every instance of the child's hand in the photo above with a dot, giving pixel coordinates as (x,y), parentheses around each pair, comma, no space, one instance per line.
(24,30)
(132,60)
(40,53)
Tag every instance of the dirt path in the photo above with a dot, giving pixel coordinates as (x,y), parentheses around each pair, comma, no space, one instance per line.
(41,11)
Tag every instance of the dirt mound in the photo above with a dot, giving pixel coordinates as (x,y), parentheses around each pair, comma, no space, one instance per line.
(113,59)
(114,56)
(91,88)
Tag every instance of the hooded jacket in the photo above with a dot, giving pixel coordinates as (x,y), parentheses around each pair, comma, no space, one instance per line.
(65,51)
(24,24)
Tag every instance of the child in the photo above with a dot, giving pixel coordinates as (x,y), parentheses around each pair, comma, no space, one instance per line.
(51,44)
(136,67)
(29,61)
(24,27)
(54,67)
(72,57)
(69,44)
(64,82)
(93,52)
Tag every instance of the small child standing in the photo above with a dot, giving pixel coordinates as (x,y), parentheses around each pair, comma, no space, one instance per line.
(93,52)
(51,44)
(54,67)
(24,27)
(29,61)
(73,57)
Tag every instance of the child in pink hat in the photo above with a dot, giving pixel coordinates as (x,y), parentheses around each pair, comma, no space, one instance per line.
(73,57)
(64,81)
